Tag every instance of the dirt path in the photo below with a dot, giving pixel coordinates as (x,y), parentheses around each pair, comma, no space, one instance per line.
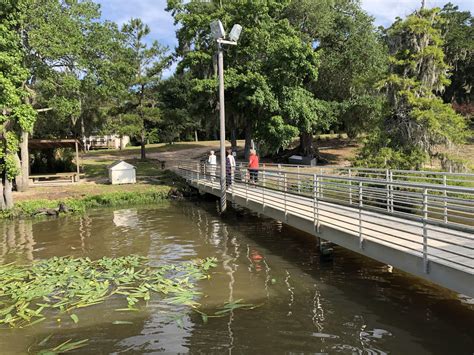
(185,154)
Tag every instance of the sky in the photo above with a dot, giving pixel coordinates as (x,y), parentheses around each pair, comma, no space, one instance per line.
(153,13)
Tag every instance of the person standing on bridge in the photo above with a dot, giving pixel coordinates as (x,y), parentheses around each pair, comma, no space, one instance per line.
(229,167)
(212,163)
(253,166)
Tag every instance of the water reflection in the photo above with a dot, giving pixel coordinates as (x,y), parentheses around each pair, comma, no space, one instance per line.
(126,218)
(307,305)
(17,241)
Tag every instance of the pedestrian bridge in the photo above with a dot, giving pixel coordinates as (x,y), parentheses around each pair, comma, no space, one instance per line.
(419,222)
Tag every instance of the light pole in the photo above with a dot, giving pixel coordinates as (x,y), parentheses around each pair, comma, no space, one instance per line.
(218,32)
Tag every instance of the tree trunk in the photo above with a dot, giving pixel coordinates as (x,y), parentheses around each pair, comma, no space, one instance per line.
(83,134)
(196,135)
(22,180)
(233,133)
(142,143)
(2,199)
(248,139)
(7,193)
(306,145)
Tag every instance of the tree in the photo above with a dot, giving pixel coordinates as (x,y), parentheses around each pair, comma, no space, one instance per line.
(148,62)
(353,59)
(269,61)
(73,67)
(457,29)
(417,119)
(16,113)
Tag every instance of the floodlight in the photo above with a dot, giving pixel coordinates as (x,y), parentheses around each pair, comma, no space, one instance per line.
(217,29)
(235,33)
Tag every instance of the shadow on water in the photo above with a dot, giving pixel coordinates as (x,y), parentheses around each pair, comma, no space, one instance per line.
(305,304)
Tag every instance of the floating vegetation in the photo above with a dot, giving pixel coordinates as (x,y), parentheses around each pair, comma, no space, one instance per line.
(63,284)
(62,348)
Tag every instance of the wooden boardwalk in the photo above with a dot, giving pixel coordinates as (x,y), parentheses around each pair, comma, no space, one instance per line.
(438,254)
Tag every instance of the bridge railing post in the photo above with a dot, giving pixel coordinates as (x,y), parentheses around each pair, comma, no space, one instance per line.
(445,195)
(315,204)
(391,192)
(361,204)
(425,231)
(247,182)
(298,179)
(263,189)
(350,186)
(285,187)
(387,179)
(321,187)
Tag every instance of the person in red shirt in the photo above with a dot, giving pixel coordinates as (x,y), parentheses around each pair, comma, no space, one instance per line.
(253,166)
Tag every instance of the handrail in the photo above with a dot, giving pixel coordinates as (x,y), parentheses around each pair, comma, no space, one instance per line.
(448,204)
(432,221)
(434,176)
(427,172)
(439,187)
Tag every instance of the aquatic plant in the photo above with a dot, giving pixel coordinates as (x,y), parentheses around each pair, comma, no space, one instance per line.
(62,348)
(63,284)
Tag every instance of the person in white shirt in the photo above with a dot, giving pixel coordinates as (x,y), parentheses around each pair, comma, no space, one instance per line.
(229,167)
(212,164)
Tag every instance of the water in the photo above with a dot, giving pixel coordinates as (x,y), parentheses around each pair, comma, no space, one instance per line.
(345,305)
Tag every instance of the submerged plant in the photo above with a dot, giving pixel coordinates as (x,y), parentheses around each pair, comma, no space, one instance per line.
(62,348)
(62,284)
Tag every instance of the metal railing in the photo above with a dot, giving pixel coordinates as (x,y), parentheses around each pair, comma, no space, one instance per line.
(421,176)
(431,216)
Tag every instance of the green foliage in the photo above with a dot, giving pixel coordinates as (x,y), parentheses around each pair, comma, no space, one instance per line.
(417,120)
(277,134)
(457,29)
(139,110)
(63,284)
(78,64)
(379,153)
(352,59)
(255,66)
(15,109)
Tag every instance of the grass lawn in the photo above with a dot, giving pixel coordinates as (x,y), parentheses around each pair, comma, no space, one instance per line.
(162,180)
(97,168)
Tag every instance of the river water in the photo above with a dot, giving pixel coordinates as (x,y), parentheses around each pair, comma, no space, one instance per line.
(347,304)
